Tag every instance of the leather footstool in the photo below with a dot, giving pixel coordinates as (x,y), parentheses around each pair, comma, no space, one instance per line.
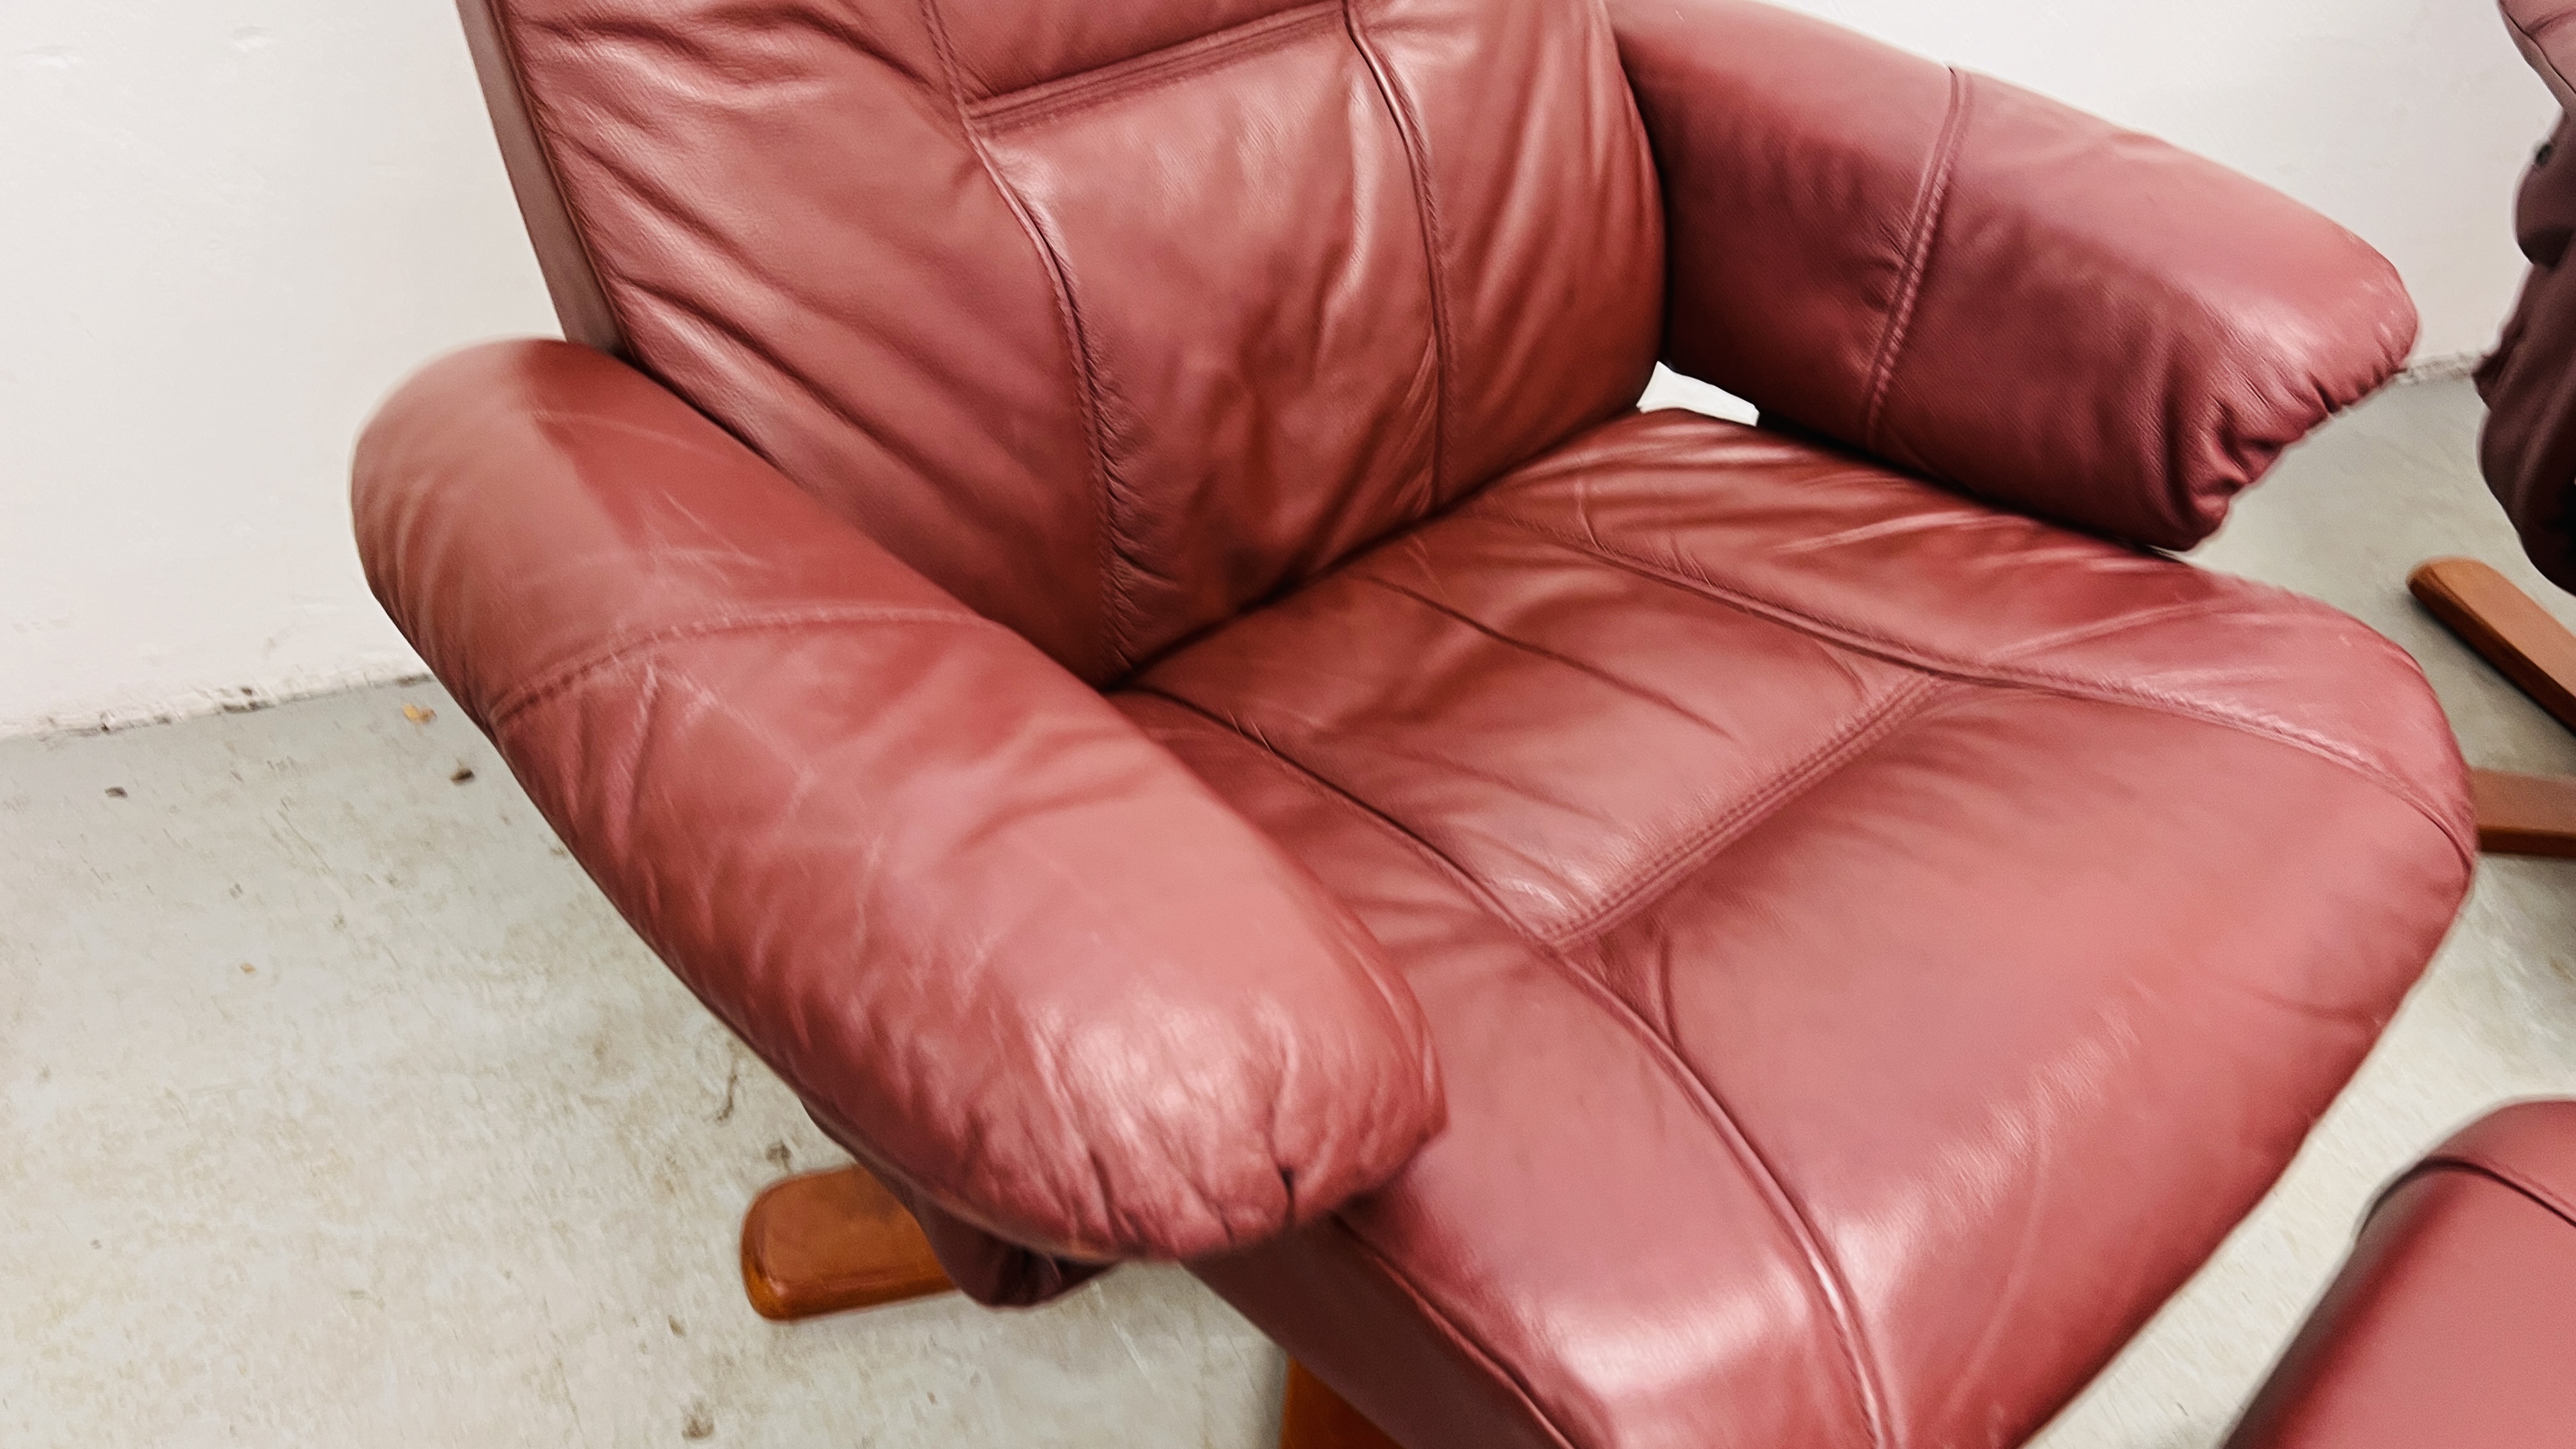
(2453,1324)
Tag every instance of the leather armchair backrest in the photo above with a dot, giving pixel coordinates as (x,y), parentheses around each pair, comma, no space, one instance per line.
(2545,31)
(1110,316)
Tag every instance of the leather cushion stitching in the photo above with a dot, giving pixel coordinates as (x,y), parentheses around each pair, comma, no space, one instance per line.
(1857,1362)
(1117,608)
(1865,727)
(1449,1328)
(1994,671)
(2503,1174)
(1408,128)
(565,676)
(1926,223)
(1627,687)
(1051,100)
(1853,738)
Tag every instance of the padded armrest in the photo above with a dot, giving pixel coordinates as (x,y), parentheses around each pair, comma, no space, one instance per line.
(1985,286)
(944,888)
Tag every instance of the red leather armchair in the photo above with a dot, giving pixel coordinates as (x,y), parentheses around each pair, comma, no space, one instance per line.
(1091,581)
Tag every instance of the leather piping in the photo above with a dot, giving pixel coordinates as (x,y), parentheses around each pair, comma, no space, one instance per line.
(1448,1328)
(1049,100)
(2480,1166)
(1116,607)
(2000,670)
(2526,40)
(1826,1275)
(1855,737)
(1929,204)
(582,304)
(1408,129)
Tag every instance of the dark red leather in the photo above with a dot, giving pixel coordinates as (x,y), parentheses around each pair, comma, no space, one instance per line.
(1953,928)
(2527,449)
(1874,945)
(1986,287)
(1058,988)
(988,279)
(2454,1320)
(2545,32)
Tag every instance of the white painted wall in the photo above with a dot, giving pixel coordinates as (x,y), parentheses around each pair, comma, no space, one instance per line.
(2406,120)
(228,226)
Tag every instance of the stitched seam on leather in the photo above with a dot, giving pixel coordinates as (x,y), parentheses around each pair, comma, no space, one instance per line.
(1855,737)
(547,143)
(1115,605)
(1449,1328)
(567,676)
(1330,790)
(2533,47)
(1924,225)
(1408,129)
(2520,1182)
(1988,672)
(1858,1360)
(1054,99)
(1624,686)
(1824,1273)
(1873,722)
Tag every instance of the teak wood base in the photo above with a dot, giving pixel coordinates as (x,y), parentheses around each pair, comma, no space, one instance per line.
(1316,1418)
(829,1242)
(2517,814)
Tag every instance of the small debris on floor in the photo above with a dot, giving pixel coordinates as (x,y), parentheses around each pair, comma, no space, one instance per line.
(779,1155)
(116,792)
(248,969)
(464,774)
(418,715)
(700,1424)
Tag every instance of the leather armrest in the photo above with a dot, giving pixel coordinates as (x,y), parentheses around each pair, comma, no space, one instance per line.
(943,887)
(1987,287)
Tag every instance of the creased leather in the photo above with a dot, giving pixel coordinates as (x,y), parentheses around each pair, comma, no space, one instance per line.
(1944,931)
(932,879)
(1986,287)
(2453,1321)
(1110,318)
(1869,945)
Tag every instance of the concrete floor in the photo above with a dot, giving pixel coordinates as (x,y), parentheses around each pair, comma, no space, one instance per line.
(336,1109)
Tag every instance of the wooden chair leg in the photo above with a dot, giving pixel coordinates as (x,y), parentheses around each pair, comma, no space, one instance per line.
(2517,814)
(829,1242)
(1316,1418)
(2525,814)
(2506,626)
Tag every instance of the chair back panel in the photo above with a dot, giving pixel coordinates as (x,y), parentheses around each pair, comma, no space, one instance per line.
(1111,316)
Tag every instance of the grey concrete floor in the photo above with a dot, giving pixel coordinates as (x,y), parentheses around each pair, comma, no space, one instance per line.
(336,1109)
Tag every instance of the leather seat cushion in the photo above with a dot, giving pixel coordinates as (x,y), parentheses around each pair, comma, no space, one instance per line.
(1876,946)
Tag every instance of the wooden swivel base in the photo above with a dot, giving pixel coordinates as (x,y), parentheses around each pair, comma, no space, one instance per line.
(2517,814)
(829,1242)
